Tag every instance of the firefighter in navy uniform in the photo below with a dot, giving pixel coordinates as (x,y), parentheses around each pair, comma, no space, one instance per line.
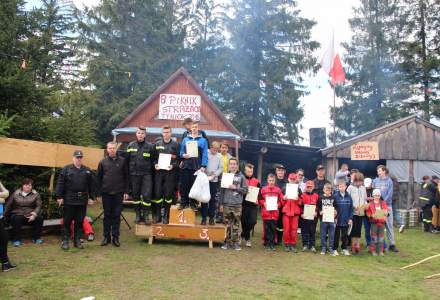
(165,180)
(427,200)
(75,189)
(140,156)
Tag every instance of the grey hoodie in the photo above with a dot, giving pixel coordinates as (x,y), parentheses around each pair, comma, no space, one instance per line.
(229,197)
(358,195)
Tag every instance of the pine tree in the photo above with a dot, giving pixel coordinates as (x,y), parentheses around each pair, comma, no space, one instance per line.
(420,55)
(271,52)
(371,95)
(132,48)
(205,50)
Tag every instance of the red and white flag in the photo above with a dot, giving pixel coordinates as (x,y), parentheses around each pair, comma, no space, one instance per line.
(331,63)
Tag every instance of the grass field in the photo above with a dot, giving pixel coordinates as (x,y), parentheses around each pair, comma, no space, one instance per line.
(175,269)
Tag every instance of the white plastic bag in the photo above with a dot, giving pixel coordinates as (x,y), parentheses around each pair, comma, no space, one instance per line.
(200,189)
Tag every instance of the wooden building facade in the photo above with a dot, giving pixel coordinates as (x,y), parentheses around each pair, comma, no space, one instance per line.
(212,120)
(409,147)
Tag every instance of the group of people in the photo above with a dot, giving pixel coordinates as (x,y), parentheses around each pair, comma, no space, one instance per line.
(352,201)
(152,176)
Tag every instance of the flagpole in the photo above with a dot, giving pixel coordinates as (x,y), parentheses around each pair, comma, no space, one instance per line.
(334,129)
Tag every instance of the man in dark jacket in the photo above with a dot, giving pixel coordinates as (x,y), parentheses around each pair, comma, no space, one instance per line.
(140,157)
(113,186)
(320,180)
(165,176)
(74,190)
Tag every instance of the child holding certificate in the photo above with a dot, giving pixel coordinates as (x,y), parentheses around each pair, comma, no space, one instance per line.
(344,209)
(291,212)
(270,203)
(250,205)
(327,213)
(309,200)
(377,213)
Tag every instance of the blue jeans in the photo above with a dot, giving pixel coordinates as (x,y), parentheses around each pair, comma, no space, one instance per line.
(397,217)
(327,227)
(367,227)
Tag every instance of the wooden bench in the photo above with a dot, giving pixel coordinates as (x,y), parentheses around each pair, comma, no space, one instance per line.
(182,226)
(48,225)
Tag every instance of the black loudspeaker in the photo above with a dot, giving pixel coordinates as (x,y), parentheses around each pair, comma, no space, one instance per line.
(318,137)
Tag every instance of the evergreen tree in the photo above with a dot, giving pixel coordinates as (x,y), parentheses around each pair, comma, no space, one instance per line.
(371,95)
(271,52)
(420,55)
(133,47)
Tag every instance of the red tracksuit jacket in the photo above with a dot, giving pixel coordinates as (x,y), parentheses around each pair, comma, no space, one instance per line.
(270,191)
(310,199)
(372,209)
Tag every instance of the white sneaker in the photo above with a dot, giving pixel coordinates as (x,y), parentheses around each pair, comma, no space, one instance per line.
(313,249)
(322,252)
(401,228)
(248,243)
(345,252)
(335,253)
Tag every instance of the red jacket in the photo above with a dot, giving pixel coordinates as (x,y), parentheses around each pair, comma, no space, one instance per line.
(310,199)
(372,209)
(292,208)
(252,181)
(270,191)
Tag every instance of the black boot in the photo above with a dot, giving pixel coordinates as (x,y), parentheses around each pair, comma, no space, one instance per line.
(154,214)
(65,245)
(77,244)
(115,242)
(158,213)
(8,266)
(106,241)
(137,219)
(147,211)
(166,214)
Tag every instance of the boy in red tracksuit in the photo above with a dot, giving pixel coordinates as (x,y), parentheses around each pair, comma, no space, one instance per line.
(270,215)
(308,229)
(377,213)
(291,212)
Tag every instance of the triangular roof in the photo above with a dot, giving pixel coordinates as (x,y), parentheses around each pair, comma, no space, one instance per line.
(158,91)
(375,132)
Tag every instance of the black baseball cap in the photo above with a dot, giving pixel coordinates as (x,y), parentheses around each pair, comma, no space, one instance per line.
(434,177)
(319,167)
(280,166)
(78,153)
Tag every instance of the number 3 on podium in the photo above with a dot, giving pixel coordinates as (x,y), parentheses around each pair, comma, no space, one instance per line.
(204,234)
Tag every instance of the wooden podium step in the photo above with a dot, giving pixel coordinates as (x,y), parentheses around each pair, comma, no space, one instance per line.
(182,217)
(182,226)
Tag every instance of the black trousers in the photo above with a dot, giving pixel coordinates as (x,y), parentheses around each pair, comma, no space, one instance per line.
(187,179)
(208,209)
(17,222)
(164,185)
(142,185)
(280,230)
(341,233)
(3,242)
(74,213)
(269,232)
(248,219)
(308,233)
(112,205)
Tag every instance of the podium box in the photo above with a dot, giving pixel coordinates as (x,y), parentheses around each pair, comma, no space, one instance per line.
(182,226)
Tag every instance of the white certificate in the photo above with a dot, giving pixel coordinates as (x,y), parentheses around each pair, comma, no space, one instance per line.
(227,180)
(192,149)
(292,191)
(252,195)
(328,214)
(271,203)
(309,211)
(164,161)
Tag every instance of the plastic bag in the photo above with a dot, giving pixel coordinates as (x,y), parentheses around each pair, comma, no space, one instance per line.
(200,189)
